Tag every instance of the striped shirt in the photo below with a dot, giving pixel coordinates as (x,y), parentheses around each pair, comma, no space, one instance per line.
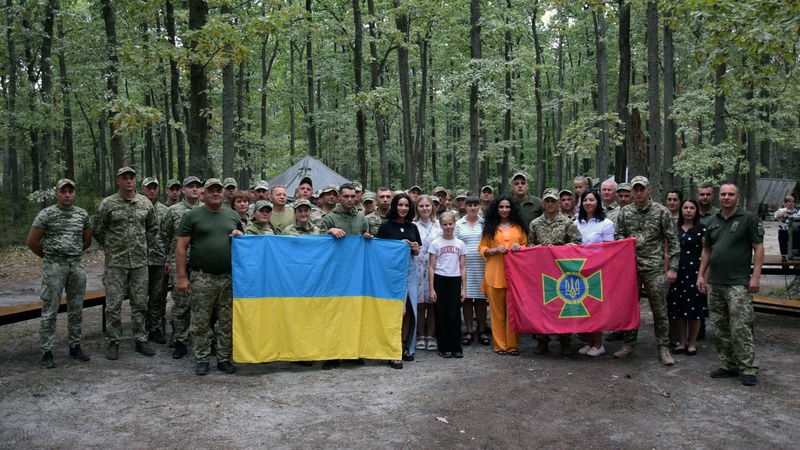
(471,235)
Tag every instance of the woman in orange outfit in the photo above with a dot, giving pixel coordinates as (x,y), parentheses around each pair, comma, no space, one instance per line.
(505,230)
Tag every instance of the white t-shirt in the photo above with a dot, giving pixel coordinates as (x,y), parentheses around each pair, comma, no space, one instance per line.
(448,256)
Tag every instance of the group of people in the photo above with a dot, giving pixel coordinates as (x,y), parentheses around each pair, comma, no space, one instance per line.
(684,252)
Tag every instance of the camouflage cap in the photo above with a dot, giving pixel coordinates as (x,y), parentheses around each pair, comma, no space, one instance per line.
(439,189)
(306,180)
(624,187)
(173,182)
(316,194)
(435,199)
(230,182)
(300,202)
(262,204)
(522,175)
(212,182)
(640,180)
(564,191)
(461,193)
(368,197)
(329,188)
(491,189)
(261,184)
(148,181)
(550,193)
(358,186)
(415,187)
(65,182)
(191,179)
(125,169)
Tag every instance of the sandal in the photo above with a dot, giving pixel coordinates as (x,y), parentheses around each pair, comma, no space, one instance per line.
(407,356)
(467,339)
(432,343)
(396,364)
(501,352)
(484,339)
(514,353)
(421,343)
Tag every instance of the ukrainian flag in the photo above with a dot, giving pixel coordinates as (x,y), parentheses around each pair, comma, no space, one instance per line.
(306,298)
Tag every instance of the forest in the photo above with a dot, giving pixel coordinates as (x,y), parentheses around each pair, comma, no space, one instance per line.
(396,92)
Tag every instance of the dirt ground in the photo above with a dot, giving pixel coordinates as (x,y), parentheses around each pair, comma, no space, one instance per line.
(481,401)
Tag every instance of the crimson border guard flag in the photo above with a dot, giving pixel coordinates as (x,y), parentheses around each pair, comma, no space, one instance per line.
(310,298)
(573,288)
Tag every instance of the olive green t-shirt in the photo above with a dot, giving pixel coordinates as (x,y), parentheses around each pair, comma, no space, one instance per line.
(210,245)
(731,243)
(281,221)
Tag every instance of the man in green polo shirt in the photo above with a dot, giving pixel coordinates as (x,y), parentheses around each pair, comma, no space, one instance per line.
(733,238)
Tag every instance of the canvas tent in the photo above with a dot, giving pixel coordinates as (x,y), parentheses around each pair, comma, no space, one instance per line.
(319,173)
(772,190)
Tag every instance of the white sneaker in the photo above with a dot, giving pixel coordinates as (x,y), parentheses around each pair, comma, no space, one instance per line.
(584,350)
(596,351)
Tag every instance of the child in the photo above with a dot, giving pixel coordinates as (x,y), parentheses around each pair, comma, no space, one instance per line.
(447,278)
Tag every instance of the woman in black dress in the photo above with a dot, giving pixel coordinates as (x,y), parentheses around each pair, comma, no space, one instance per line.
(685,302)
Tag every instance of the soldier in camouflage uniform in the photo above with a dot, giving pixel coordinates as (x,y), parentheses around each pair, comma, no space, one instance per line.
(126,227)
(486,196)
(59,235)
(368,202)
(553,228)
(230,187)
(651,224)
(383,200)
(208,230)
(732,238)
(157,267)
(705,194)
(173,192)
(302,220)
(168,234)
(261,220)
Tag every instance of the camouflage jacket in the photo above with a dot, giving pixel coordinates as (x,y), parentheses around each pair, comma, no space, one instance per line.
(126,228)
(559,231)
(63,232)
(256,228)
(375,220)
(156,255)
(651,226)
(295,230)
(169,226)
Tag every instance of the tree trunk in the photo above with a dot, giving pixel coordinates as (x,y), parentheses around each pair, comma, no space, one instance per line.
(375,74)
(507,48)
(623,89)
(603,150)
(175,96)
(402,67)
(653,102)
(69,144)
(149,143)
(199,160)
(228,110)
(11,170)
(112,75)
(474,114)
(46,130)
(670,138)
(311,127)
(637,147)
(537,86)
(361,121)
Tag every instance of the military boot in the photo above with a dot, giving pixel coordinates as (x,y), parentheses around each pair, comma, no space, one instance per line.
(47,361)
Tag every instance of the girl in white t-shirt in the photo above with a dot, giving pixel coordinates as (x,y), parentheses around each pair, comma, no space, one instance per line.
(447,278)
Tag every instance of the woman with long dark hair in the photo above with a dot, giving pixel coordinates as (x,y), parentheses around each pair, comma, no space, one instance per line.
(504,231)
(399,226)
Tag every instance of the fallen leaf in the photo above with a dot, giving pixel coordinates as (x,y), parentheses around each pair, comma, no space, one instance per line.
(442,419)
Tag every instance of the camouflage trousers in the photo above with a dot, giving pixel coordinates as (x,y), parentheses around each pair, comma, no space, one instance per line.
(209,294)
(181,312)
(656,290)
(58,276)
(156,298)
(731,311)
(119,281)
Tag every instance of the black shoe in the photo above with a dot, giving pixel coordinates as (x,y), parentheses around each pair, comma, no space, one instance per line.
(78,354)
(157,337)
(226,367)
(47,360)
(407,356)
(396,364)
(304,363)
(201,368)
(180,350)
(723,373)
(446,354)
(749,380)
(144,348)
(678,351)
(330,364)
(112,353)
(615,336)
(357,361)
(458,355)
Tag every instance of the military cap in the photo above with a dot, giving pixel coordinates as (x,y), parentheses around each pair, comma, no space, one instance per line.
(261,184)
(173,182)
(438,189)
(191,179)
(520,175)
(65,182)
(306,180)
(550,193)
(624,187)
(229,182)
(262,204)
(126,169)
(415,187)
(212,182)
(487,187)
(358,186)
(329,188)
(368,197)
(435,199)
(640,180)
(461,193)
(297,203)
(564,191)
(316,194)
(148,181)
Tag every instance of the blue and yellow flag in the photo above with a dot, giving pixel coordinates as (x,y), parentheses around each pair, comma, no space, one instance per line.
(306,298)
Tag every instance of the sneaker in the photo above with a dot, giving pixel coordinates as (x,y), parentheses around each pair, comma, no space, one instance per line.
(226,367)
(749,380)
(723,373)
(421,345)
(615,336)
(201,368)
(584,350)
(144,348)
(446,355)
(541,348)
(330,364)
(665,357)
(157,337)
(78,354)
(180,350)
(47,361)
(596,351)
(624,352)
(112,353)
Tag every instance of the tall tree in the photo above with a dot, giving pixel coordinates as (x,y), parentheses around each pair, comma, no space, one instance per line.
(670,138)
(653,101)
(375,82)
(228,110)
(361,121)
(537,87)
(112,81)
(199,160)
(401,21)
(474,114)
(311,125)
(175,94)
(10,167)
(623,89)
(603,149)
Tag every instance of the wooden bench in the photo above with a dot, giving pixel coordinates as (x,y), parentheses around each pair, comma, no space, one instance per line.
(33,310)
(775,305)
(774,265)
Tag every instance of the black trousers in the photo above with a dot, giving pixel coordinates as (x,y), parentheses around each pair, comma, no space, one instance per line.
(448,312)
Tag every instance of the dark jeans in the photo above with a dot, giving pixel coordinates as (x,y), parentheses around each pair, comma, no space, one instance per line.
(448,312)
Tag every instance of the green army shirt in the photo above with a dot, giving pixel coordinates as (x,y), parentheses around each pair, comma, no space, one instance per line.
(210,244)
(559,231)
(731,243)
(353,223)
(531,208)
(63,232)
(651,226)
(126,228)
